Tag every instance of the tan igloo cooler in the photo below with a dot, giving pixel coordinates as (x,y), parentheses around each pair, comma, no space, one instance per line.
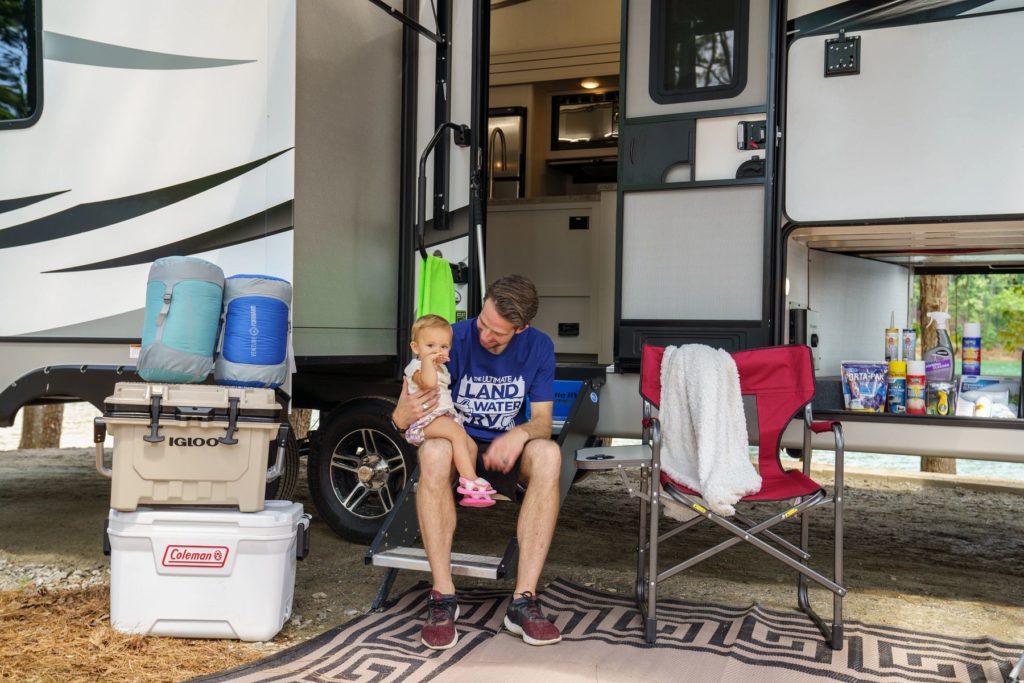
(190,444)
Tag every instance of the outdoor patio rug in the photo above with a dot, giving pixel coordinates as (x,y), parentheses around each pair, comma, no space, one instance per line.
(603,641)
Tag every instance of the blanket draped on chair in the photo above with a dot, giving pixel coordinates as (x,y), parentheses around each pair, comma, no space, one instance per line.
(704,432)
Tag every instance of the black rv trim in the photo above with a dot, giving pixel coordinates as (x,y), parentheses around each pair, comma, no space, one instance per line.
(657,49)
(442,114)
(63,383)
(34,74)
(407,189)
(691,184)
(480,99)
(623,118)
(41,339)
(862,15)
(773,308)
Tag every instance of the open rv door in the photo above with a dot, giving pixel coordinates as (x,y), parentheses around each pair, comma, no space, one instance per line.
(397,184)
(695,202)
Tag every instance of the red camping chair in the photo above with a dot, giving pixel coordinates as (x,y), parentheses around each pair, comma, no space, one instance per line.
(781,381)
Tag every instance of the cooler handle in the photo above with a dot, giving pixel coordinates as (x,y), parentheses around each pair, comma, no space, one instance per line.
(282,444)
(99,435)
(302,537)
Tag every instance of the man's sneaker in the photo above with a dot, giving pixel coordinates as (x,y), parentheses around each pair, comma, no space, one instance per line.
(525,618)
(439,632)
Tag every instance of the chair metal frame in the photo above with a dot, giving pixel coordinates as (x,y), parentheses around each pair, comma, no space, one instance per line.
(654,484)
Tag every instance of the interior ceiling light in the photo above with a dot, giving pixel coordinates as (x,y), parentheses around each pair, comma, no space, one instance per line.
(589,83)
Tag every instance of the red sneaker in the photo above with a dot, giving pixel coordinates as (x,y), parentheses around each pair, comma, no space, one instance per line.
(439,632)
(525,618)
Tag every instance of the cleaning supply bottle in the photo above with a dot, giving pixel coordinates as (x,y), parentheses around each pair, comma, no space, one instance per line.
(896,399)
(916,382)
(970,349)
(938,360)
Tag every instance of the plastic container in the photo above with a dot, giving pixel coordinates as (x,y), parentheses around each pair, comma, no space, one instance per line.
(896,396)
(209,445)
(917,395)
(909,345)
(970,349)
(205,573)
(938,360)
(892,340)
(941,398)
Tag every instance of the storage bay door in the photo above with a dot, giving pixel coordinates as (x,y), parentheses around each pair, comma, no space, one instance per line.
(694,263)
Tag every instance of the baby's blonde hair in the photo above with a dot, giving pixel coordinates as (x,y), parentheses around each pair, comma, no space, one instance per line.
(427,321)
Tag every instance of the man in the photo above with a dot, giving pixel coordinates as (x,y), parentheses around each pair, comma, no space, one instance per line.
(497,361)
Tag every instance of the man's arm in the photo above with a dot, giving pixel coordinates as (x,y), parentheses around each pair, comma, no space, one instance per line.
(503,452)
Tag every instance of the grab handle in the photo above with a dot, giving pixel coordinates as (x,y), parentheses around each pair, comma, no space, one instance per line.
(99,435)
(282,444)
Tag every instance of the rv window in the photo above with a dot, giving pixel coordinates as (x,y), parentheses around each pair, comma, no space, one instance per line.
(19,62)
(698,49)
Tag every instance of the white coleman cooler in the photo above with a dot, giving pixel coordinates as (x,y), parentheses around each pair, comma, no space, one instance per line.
(204,572)
(189,444)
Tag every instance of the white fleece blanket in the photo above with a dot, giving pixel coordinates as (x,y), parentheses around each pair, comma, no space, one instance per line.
(703,428)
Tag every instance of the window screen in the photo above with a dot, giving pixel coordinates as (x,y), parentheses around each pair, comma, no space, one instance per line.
(19,62)
(698,49)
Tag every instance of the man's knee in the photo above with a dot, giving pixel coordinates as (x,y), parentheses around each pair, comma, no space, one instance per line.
(435,458)
(542,458)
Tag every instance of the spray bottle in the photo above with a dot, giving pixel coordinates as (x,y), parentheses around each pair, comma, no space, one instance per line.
(938,360)
(971,349)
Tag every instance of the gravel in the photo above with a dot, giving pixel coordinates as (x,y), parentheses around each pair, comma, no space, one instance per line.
(21,576)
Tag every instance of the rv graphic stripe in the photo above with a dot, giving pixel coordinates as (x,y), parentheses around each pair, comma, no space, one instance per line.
(86,217)
(859,15)
(257,226)
(18,202)
(64,48)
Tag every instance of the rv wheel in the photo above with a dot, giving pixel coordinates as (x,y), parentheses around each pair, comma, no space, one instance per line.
(357,468)
(283,488)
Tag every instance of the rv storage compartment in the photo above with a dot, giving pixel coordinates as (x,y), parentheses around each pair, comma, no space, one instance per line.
(186,444)
(203,572)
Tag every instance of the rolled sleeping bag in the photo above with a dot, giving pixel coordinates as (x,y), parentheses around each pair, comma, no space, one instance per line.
(254,347)
(183,303)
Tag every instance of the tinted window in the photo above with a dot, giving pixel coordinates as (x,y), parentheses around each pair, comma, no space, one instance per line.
(698,49)
(19,99)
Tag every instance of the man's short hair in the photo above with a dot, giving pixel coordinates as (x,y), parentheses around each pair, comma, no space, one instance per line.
(515,299)
(427,321)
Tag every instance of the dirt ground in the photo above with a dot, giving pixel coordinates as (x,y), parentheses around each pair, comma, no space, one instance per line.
(924,553)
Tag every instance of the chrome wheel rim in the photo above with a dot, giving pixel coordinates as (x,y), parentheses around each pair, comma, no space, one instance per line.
(367,473)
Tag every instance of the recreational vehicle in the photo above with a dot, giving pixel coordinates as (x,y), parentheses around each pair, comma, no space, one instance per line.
(737,173)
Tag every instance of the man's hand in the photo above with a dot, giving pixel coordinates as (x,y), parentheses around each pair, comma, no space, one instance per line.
(412,407)
(503,452)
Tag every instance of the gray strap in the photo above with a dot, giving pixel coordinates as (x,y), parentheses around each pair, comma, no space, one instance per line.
(162,315)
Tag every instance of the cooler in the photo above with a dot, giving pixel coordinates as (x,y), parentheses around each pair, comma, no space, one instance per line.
(204,572)
(189,444)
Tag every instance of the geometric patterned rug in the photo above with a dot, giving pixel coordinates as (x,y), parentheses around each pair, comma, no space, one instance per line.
(602,640)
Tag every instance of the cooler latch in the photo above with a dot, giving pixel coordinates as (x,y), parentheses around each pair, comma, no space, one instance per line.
(154,421)
(229,435)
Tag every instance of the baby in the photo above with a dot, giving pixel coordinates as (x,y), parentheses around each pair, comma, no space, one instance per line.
(431,342)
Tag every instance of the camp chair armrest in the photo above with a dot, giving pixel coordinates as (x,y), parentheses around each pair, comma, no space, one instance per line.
(819,426)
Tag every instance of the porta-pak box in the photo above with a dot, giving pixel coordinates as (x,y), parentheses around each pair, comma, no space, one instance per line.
(188,444)
(205,572)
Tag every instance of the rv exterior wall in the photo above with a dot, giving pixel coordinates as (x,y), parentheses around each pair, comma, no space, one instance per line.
(348,115)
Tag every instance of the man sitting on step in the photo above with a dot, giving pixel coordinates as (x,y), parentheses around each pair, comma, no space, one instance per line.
(497,361)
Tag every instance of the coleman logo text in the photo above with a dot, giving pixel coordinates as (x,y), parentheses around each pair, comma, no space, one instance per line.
(212,556)
(192,441)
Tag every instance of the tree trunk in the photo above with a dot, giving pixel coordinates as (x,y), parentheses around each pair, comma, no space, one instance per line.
(934,297)
(299,419)
(40,426)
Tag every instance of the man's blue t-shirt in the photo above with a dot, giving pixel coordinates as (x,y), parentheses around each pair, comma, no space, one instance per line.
(492,389)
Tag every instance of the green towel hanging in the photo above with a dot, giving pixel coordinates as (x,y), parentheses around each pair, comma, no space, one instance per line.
(437,289)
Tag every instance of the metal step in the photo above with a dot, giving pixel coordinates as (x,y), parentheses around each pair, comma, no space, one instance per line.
(463,564)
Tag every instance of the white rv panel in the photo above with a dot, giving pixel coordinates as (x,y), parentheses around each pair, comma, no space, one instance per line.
(156,129)
(854,298)
(927,128)
(693,254)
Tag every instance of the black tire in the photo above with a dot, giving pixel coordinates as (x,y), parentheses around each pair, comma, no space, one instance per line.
(795,453)
(357,468)
(283,488)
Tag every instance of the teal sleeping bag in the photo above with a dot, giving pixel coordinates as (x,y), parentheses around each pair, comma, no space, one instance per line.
(183,305)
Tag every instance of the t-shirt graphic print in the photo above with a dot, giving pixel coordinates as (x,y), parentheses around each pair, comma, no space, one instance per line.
(492,403)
